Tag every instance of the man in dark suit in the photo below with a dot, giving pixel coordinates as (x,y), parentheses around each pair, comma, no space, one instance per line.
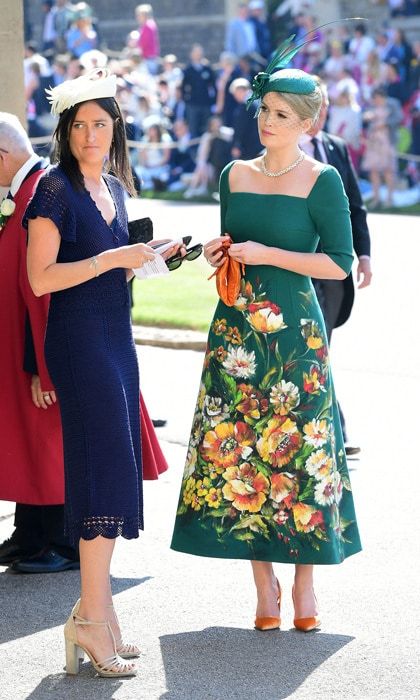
(336,297)
(198,91)
(246,142)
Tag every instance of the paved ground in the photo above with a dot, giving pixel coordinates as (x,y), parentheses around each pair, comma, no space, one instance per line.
(193,616)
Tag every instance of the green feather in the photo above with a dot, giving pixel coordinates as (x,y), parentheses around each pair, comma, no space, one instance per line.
(286,52)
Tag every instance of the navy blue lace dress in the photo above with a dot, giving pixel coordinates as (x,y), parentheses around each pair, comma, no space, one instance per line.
(92,361)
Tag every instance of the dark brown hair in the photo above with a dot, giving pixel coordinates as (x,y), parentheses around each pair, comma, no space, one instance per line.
(119,162)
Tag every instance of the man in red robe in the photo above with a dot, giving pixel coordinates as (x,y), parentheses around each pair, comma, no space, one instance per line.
(31,457)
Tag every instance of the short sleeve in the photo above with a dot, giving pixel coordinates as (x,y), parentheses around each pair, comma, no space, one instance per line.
(224,192)
(329,210)
(51,201)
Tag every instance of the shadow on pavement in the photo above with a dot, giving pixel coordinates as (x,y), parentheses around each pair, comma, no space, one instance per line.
(231,663)
(80,687)
(34,602)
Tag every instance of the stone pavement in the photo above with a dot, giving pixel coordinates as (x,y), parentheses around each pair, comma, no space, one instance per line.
(193,616)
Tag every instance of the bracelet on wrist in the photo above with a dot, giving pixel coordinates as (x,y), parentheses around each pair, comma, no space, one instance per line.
(94,265)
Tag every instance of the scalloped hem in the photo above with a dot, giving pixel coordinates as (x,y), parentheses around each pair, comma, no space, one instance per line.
(109,527)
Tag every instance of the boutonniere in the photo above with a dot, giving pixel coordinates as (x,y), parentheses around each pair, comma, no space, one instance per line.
(7,207)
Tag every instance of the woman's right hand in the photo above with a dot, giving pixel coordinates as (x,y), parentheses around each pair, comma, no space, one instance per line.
(134,256)
(213,252)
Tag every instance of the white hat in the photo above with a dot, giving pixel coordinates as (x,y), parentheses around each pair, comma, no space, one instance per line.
(92,86)
(256,5)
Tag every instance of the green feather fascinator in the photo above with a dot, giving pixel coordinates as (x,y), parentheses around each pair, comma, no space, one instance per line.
(294,80)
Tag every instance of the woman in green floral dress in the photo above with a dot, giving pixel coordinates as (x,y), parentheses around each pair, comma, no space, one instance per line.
(266,476)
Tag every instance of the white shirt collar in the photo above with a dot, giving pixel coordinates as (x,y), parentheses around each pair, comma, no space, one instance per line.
(24,170)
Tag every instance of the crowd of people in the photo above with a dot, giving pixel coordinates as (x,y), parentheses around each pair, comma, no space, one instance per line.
(188,119)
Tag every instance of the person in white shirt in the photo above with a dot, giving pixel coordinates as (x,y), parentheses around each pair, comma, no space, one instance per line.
(361,44)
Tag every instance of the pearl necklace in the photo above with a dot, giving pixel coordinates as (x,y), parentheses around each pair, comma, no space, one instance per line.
(285,170)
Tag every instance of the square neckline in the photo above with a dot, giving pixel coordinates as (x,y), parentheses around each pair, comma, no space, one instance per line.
(278,194)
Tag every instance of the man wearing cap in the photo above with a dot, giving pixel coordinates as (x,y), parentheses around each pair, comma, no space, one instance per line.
(32,471)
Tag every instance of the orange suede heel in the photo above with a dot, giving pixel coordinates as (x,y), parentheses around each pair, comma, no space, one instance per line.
(305,624)
(269,623)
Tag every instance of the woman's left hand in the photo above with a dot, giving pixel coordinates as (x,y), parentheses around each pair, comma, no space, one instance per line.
(249,253)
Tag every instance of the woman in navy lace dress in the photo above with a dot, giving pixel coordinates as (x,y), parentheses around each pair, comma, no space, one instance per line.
(78,251)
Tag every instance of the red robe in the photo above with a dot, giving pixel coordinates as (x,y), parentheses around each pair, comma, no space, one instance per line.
(31,455)
(154,463)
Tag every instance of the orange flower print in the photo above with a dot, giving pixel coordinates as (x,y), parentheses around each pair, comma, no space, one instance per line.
(282,486)
(265,317)
(233,336)
(311,333)
(253,404)
(314,380)
(219,326)
(306,517)
(220,354)
(227,444)
(316,432)
(245,487)
(284,397)
(280,441)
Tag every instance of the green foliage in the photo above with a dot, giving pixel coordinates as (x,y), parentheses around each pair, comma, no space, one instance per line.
(182,299)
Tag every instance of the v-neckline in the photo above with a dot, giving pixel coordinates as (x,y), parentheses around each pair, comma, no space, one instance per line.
(111,224)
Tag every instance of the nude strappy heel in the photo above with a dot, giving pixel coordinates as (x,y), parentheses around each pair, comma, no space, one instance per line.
(126,650)
(112,667)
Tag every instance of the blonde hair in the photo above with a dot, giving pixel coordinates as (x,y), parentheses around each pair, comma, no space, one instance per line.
(305,106)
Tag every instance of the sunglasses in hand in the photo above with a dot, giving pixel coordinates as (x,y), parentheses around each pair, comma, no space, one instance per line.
(191,254)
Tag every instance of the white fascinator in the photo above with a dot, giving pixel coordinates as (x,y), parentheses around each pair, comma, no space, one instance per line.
(92,86)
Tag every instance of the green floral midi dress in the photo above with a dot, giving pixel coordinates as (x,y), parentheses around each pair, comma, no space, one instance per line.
(266,475)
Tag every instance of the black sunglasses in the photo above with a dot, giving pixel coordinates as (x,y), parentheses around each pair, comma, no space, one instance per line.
(192,254)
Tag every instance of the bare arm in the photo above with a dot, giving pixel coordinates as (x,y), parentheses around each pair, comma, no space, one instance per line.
(318,265)
(46,275)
